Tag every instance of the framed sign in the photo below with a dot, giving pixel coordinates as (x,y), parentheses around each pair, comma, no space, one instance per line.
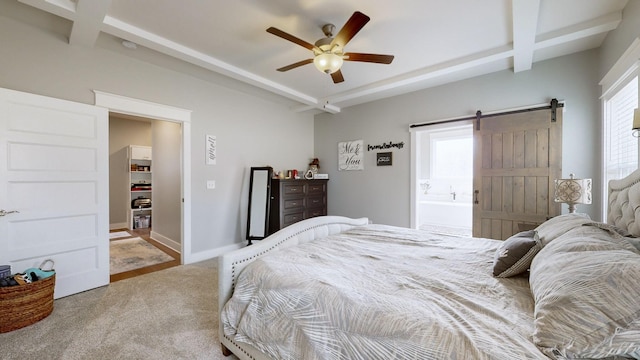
(384,159)
(210,151)
(350,155)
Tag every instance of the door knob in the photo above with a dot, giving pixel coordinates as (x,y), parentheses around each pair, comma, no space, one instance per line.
(4,212)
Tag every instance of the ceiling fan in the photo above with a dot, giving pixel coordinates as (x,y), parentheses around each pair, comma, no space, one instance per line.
(328,52)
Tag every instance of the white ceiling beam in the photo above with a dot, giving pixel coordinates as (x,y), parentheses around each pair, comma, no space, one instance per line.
(525,24)
(427,73)
(589,28)
(597,26)
(63,8)
(88,22)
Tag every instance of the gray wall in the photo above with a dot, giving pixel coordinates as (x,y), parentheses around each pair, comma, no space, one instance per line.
(383,193)
(167,203)
(250,131)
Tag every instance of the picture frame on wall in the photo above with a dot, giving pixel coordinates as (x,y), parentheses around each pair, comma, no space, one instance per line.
(384,159)
(350,155)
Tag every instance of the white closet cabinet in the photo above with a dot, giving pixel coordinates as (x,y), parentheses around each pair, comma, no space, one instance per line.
(140,194)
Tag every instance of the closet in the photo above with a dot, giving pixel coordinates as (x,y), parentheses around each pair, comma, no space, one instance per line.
(139,187)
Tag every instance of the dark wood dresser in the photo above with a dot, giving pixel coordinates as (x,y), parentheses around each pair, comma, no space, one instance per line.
(293,200)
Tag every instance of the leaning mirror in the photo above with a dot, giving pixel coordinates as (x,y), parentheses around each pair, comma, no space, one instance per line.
(259,194)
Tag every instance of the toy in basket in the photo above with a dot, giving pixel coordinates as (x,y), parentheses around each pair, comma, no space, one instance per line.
(30,300)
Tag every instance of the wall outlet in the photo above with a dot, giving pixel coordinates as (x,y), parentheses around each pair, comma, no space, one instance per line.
(211,184)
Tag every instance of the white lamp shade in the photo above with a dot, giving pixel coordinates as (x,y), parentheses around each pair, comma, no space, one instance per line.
(573,191)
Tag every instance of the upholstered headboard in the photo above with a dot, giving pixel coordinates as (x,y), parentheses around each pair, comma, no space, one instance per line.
(624,203)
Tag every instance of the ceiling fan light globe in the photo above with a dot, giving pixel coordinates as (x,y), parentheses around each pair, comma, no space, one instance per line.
(328,63)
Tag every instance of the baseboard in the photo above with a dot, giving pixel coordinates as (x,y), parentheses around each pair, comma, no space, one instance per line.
(170,243)
(213,253)
(123,225)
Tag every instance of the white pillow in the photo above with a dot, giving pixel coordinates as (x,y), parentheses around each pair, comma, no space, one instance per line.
(587,297)
(558,225)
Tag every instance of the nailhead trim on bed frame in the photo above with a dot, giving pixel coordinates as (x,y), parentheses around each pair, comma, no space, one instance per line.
(238,347)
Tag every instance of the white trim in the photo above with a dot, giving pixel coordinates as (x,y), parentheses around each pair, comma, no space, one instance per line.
(213,253)
(186,194)
(131,106)
(414,191)
(123,225)
(622,71)
(170,243)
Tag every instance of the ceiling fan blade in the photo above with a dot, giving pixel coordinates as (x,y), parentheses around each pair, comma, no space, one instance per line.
(295,65)
(293,39)
(337,77)
(350,29)
(374,58)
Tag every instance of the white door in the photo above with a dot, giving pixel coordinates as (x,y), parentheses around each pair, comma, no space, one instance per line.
(54,173)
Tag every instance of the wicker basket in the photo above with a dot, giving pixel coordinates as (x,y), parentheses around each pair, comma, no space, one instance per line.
(24,305)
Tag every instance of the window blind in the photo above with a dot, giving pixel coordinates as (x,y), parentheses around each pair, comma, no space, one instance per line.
(621,147)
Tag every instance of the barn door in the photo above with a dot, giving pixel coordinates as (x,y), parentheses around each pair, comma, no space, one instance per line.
(516,159)
(54,188)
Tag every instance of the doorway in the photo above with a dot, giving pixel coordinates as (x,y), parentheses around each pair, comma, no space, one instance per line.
(145,109)
(152,147)
(444,179)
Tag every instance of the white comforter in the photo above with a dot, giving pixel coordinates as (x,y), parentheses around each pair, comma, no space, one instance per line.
(382,292)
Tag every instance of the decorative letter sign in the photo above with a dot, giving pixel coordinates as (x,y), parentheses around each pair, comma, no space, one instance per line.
(350,155)
(211,150)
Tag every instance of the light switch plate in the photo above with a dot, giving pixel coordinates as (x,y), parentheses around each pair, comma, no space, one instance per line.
(211,184)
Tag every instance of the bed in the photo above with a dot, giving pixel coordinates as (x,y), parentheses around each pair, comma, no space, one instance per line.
(339,288)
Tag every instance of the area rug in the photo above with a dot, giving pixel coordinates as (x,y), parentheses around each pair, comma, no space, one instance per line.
(118,235)
(135,253)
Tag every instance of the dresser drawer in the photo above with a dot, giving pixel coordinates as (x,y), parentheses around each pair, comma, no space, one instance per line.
(293,200)
(292,189)
(313,212)
(288,204)
(288,219)
(316,189)
(315,201)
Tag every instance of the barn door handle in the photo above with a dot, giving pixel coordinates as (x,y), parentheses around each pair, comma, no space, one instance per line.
(476,192)
(4,212)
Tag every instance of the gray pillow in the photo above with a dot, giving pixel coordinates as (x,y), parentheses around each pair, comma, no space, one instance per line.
(515,254)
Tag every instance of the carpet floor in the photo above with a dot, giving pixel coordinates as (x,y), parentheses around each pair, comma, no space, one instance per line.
(168,314)
(134,253)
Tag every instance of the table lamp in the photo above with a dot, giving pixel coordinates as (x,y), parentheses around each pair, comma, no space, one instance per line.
(573,191)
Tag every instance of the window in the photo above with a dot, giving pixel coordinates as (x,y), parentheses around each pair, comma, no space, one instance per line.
(452,155)
(620,146)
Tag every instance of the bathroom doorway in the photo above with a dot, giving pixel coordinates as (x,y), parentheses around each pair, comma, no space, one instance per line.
(444,179)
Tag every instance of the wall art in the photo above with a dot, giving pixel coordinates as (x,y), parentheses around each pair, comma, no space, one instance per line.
(350,155)
(389,145)
(210,151)
(384,159)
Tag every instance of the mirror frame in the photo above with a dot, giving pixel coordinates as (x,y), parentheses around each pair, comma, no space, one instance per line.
(257,199)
